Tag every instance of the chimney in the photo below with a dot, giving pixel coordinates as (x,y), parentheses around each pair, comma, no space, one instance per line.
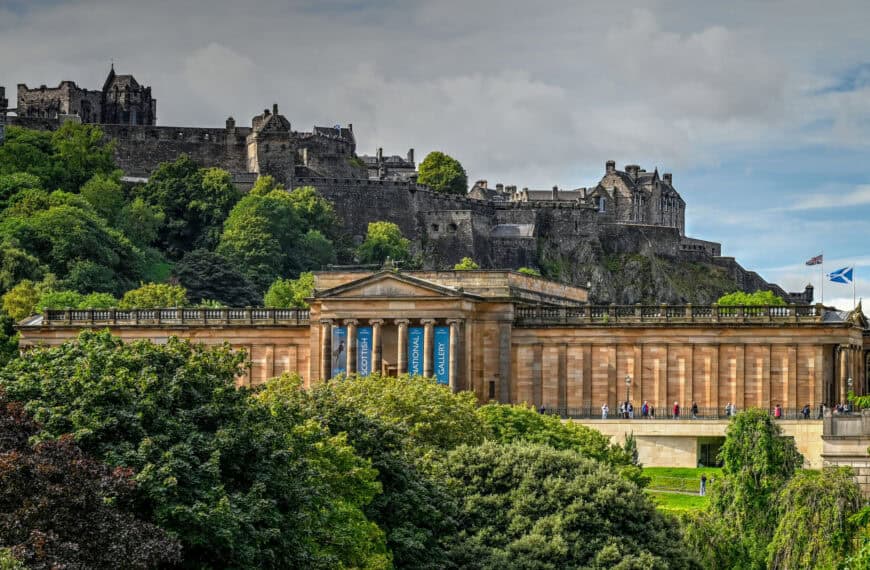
(350,127)
(231,124)
(411,155)
(632,170)
(482,184)
(668,178)
(610,167)
(499,188)
(555,192)
(274,108)
(380,154)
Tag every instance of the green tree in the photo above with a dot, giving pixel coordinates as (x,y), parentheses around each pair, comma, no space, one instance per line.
(758,298)
(531,506)
(240,483)
(443,173)
(813,511)
(260,237)
(154,296)
(105,194)
(414,509)
(384,240)
(140,221)
(20,301)
(82,152)
(288,293)
(194,201)
(433,417)
(466,264)
(61,229)
(529,271)
(757,463)
(30,152)
(315,212)
(315,251)
(208,275)
(11,184)
(74,300)
(17,264)
(62,509)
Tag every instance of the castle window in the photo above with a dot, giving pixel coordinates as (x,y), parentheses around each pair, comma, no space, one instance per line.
(452,227)
(601,204)
(434,227)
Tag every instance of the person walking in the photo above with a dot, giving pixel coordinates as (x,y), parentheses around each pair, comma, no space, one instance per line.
(630,411)
(605,409)
(694,410)
(805,412)
(644,410)
(676,410)
(703,485)
(821,411)
(777,412)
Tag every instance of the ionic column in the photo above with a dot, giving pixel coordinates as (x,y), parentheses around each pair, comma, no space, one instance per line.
(376,344)
(402,337)
(351,345)
(428,341)
(325,349)
(454,357)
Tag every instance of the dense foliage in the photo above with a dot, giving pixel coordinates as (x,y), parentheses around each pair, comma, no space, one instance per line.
(443,173)
(208,275)
(288,293)
(384,240)
(239,484)
(60,508)
(758,298)
(531,506)
(466,264)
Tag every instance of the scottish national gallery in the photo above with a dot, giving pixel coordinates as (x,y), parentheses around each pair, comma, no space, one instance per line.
(515,338)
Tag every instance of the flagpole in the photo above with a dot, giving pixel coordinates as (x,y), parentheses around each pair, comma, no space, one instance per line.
(822,277)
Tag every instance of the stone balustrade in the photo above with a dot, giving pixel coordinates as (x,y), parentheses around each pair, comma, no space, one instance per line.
(621,315)
(175,316)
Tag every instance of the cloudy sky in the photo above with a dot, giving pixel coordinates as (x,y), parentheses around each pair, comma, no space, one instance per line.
(761,109)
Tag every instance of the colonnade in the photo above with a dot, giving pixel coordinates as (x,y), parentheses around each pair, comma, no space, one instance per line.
(851,361)
(402,364)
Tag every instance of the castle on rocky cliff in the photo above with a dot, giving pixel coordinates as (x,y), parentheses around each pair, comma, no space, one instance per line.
(630,211)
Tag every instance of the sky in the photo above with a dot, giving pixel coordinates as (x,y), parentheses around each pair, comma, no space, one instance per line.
(761,109)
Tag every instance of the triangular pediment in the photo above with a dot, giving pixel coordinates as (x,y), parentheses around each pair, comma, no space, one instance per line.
(387,284)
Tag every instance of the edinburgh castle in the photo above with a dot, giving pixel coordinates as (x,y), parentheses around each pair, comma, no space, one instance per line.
(584,236)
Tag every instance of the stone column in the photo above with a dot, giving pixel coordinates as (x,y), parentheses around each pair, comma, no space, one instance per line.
(428,346)
(842,374)
(402,337)
(376,344)
(454,354)
(325,349)
(351,345)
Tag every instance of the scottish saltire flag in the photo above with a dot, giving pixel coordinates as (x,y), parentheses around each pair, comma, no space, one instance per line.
(817,260)
(843,275)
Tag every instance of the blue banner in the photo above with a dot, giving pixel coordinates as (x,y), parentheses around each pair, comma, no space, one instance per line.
(364,351)
(442,355)
(339,351)
(415,351)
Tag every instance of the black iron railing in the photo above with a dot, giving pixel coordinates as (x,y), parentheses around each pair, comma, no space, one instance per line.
(666,413)
(175,316)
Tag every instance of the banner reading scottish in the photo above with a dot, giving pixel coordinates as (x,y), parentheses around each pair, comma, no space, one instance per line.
(442,355)
(339,351)
(415,351)
(364,351)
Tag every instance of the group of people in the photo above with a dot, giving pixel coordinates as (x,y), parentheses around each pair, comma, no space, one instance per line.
(647,410)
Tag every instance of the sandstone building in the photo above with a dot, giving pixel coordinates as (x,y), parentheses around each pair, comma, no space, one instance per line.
(510,337)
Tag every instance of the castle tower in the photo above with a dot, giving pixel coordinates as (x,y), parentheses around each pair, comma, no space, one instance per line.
(125,102)
(4,105)
(271,148)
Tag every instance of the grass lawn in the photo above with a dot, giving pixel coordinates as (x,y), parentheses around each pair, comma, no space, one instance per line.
(680,478)
(677,502)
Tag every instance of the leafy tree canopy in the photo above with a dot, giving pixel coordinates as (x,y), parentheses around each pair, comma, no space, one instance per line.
(154,296)
(531,506)
(106,196)
(241,483)
(208,275)
(62,509)
(466,264)
(288,293)
(758,298)
(11,184)
(383,240)
(443,173)
(195,202)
